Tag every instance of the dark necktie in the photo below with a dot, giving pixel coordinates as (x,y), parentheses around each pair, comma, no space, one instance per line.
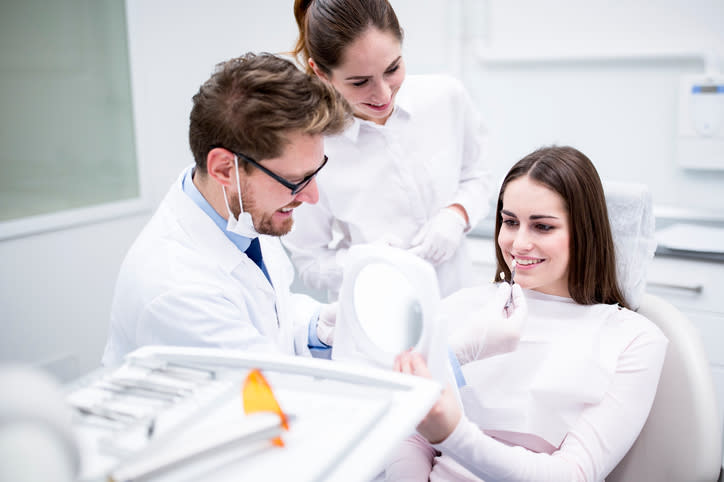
(254,252)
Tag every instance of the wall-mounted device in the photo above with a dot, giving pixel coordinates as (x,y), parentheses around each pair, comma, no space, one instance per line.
(701,122)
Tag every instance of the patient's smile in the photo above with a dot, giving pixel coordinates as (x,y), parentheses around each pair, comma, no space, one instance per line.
(528,262)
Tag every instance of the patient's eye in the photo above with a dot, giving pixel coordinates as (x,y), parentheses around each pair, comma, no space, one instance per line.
(510,222)
(544,227)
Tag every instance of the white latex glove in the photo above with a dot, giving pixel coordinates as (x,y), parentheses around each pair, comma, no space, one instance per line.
(490,331)
(326,323)
(439,237)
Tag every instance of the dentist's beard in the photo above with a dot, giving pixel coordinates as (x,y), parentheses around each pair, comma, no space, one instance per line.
(263,222)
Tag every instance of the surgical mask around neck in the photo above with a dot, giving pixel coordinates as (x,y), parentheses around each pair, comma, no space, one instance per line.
(244,225)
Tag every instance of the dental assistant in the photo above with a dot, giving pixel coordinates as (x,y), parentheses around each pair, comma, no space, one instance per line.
(208,269)
(410,171)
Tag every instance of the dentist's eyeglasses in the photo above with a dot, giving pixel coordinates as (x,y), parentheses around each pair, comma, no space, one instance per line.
(294,187)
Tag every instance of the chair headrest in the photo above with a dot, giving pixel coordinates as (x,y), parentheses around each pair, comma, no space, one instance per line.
(633,226)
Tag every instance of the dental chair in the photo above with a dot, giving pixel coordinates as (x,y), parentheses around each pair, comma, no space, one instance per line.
(681,440)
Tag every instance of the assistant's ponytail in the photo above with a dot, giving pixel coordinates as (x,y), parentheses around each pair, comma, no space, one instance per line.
(301,52)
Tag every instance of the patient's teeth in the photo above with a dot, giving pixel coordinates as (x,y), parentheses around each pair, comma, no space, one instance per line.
(527,262)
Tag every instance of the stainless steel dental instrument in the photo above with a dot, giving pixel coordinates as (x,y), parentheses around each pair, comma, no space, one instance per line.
(509,303)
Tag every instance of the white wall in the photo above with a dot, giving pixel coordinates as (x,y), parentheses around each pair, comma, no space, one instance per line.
(602,76)
(55,293)
(55,288)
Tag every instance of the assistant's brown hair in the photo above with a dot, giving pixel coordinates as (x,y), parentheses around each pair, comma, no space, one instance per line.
(592,267)
(252,102)
(327,27)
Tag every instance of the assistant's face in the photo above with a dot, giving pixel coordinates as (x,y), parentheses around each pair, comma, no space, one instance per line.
(370,74)
(270,203)
(535,232)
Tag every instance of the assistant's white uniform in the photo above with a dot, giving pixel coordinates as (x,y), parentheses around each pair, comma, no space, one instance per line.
(183,282)
(387,181)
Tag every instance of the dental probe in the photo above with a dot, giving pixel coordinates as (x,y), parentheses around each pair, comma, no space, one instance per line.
(509,303)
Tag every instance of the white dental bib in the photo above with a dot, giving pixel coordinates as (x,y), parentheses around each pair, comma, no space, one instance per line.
(388,303)
(565,361)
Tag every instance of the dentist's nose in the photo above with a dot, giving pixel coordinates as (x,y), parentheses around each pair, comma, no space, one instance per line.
(310,193)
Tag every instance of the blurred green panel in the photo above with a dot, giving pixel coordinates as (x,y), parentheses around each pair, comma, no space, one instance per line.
(66,123)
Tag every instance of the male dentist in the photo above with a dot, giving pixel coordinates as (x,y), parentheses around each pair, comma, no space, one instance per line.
(208,269)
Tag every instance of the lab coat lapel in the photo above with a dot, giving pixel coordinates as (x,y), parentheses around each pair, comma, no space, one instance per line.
(213,242)
(280,271)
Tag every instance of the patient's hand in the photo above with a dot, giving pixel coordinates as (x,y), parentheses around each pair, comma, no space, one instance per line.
(444,416)
(489,331)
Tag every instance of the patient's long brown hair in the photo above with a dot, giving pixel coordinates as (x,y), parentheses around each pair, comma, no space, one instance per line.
(592,268)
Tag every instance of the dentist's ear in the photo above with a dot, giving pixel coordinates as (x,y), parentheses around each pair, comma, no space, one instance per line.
(220,166)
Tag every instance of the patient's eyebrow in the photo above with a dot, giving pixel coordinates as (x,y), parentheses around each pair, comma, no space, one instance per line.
(536,217)
(533,217)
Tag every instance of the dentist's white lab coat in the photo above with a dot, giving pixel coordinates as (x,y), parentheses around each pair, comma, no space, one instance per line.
(183,282)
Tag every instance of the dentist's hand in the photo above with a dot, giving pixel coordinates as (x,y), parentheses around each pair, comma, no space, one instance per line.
(489,331)
(440,236)
(326,323)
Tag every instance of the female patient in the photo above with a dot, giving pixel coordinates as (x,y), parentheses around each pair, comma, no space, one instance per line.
(570,400)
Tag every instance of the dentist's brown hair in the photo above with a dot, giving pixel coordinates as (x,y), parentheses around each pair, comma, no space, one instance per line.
(251,103)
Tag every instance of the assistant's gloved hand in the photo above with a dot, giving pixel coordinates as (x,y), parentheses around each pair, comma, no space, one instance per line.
(326,323)
(489,331)
(440,236)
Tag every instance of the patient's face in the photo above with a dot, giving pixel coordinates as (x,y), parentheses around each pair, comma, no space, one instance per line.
(536,233)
